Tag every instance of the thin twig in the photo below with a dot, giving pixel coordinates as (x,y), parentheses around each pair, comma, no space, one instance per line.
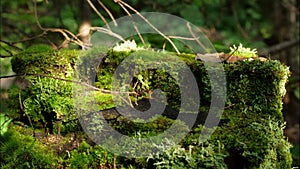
(149,23)
(64,32)
(98,13)
(134,24)
(32,38)
(11,44)
(8,51)
(22,109)
(107,31)
(183,38)
(229,106)
(116,93)
(73,81)
(108,12)
(231,54)
(36,16)
(51,43)
(5,56)
(235,16)
(193,35)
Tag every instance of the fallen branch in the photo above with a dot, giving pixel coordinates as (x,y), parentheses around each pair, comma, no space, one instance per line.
(283,46)
(279,47)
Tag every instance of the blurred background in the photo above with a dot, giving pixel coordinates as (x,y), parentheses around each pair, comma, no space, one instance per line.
(270,26)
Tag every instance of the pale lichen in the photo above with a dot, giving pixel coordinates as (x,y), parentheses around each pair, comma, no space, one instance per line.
(127,46)
(243,52)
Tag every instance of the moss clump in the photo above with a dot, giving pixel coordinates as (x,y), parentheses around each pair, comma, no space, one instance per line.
(254,143)
(20,151)
(256,87)
(47,99)
(42,59)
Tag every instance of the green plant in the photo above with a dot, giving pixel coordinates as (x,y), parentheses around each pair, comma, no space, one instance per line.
(4,123)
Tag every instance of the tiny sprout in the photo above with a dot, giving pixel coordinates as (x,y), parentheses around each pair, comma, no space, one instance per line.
(243,52)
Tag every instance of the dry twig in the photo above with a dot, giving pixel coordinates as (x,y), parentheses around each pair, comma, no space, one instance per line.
(149,23)
(69,36)
(108,12)
(193,34)
(134,24)
(73,81)
(107,31)
(98,13)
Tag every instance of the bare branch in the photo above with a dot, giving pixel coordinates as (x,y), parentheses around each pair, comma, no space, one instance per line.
(32,38)
(51,43)
(22,109)
(284,45)
(280,47)
(36,16)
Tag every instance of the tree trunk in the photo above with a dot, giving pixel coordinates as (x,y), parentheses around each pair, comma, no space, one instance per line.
(85,25)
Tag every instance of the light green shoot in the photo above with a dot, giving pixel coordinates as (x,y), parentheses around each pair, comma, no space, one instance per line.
(243,52)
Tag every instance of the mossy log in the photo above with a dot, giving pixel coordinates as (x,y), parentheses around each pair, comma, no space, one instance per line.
(251,133)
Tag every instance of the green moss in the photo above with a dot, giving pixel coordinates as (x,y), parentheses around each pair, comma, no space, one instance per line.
(20,151)
(87,156)
(258,142)
(252,134)
(42,59)
(257,86)
(47,99)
